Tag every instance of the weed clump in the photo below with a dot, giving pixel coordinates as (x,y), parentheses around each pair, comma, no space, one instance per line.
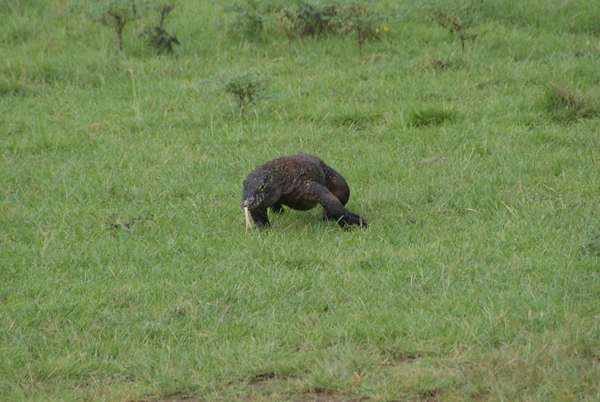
(566,107)
(157,36)
(307,19)
(303,19)
(117,14)
(459,21)
(159,39)
(362,21)
(247,88)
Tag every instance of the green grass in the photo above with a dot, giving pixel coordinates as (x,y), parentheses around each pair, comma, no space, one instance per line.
(126,273)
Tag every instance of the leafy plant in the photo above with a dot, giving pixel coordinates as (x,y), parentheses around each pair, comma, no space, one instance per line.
(361,20)
(459,21)
(115,14)
(163,9)
(160,39)
(248,17)
(246,88)
(307,19)
(157,36)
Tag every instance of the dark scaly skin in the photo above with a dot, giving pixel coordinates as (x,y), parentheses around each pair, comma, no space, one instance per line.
(301,182)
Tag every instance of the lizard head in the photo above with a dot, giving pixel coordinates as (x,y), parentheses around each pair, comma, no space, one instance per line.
(257,187)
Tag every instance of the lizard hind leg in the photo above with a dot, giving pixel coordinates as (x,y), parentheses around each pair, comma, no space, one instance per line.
(333,209)
(336,183)
(338,186)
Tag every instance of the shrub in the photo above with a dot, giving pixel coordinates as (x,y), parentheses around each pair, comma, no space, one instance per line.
(361,20)
(307,19)
(157,36)
(459,21)
(246,87)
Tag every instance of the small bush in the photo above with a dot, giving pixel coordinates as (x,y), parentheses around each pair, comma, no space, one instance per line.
(159,39)
(246,87)
(460,21)
(307,19)
(156,35)
(361,20)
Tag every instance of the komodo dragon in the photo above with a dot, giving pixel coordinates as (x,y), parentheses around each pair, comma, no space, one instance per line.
(300,182)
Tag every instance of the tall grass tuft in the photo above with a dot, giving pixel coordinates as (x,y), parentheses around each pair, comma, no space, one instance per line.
(431,116)
(566,107)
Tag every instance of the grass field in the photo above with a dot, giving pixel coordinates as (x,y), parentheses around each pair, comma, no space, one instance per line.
(126,273)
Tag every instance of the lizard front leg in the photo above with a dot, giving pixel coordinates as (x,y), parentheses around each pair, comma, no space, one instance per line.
(260,218)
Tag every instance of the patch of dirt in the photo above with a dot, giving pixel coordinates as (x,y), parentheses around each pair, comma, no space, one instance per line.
(435,159)
(327,397)
(269,381)
(263,382)
(312,397)
(397,361)
(436,64)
